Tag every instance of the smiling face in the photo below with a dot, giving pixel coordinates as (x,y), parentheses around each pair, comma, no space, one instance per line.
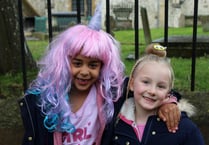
(150,84)
(85,72)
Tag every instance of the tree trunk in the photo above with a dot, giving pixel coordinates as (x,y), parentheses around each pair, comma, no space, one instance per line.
(10,44)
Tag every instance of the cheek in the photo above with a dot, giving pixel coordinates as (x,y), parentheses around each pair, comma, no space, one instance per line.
(96,73)
(138,89)
(72,70)
(163,95)
(99,70)
(139,86)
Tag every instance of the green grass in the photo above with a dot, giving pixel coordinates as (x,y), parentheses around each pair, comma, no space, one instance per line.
(37,48)
(182,70)
(182,67)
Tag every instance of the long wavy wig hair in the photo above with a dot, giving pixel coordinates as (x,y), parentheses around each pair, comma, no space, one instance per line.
(54,78)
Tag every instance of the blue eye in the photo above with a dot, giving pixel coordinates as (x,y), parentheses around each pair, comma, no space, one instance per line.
(162,87)
(145,82)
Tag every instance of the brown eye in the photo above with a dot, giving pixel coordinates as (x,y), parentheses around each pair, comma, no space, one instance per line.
(94,64)
(76,63)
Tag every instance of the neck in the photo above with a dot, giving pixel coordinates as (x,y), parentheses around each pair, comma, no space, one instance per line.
(141,115)
(77,98)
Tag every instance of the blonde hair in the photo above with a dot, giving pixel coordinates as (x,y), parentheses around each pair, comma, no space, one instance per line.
(154,53)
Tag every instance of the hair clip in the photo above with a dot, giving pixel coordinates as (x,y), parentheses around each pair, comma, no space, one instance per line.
(159,47)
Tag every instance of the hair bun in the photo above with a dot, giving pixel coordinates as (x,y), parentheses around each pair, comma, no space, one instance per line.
(156,49)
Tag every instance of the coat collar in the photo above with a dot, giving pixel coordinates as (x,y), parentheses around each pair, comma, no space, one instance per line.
(128,109)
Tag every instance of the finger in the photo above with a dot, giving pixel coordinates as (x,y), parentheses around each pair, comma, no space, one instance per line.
(161,115)
(171,116)
(167,118)
(174,119)
(169,121)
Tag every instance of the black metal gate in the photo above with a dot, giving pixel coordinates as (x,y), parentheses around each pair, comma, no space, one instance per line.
(108,29)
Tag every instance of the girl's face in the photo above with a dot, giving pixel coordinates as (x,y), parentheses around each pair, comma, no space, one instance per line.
(150,84)
(85,72)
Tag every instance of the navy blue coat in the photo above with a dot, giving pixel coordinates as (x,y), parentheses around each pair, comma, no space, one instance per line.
(117,132)
(156,133)
(35,132)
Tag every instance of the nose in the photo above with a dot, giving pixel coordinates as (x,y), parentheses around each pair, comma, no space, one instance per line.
(152,90)
(84,70)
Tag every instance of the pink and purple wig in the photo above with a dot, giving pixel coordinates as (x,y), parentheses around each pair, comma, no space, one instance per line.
(54,78)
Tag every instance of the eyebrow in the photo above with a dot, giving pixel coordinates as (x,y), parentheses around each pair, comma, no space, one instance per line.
(92,61)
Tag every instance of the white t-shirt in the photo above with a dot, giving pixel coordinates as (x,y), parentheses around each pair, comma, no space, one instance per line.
(86,122)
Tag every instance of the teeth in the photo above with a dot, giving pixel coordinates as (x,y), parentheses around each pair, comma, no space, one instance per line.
(149,98)
(81,79)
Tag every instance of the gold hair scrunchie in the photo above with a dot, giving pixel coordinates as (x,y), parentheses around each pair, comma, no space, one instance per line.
(156,49)
(159,47)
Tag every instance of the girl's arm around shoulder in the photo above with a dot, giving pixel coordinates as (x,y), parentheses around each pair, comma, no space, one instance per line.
(169,111)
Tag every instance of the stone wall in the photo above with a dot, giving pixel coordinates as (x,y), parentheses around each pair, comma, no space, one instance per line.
(57,6)
(179,10)
(39,6)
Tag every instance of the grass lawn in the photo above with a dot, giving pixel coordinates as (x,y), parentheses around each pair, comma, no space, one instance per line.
(182,66)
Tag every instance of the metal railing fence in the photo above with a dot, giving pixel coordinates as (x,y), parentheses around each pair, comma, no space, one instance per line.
(136,34)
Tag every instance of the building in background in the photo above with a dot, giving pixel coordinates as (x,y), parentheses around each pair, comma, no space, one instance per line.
(180,11)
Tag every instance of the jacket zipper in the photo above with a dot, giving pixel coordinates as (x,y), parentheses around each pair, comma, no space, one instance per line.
(136,129)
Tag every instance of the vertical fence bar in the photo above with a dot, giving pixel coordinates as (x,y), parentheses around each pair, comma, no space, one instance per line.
(136,28)
(166,24)
(49,20)
(22,40)
(78,7)
(194,42)
(107,16)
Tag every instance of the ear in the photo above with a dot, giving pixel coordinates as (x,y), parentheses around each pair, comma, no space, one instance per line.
(131,84)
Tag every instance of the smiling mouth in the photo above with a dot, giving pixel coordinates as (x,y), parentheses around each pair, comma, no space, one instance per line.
(83,81)
(149,99)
